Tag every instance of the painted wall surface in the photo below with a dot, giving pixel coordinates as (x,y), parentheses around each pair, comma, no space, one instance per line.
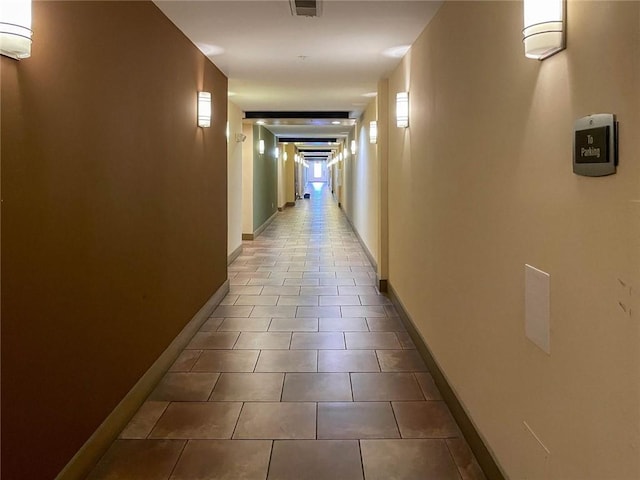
(282,177)
(290,172)
(481,184)
(113,217)
(234,179)
(265,177)
(362,204)
(248,149)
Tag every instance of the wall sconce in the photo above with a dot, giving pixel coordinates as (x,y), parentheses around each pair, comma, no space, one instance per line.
(544,32)
(260,147)
(353,147)
(15,28)
(204,109)
(402,109)
(276,152)
(285,157)
(373,132)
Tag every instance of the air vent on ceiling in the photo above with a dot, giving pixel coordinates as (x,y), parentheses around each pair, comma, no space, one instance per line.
(306,8)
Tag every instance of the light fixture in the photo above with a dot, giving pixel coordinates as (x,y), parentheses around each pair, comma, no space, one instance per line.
(353,147)
(335,122)
(276,152)
(260,147)
(402,109)
(15,28)
(544,32)
(285,157)
(373,132)
(204,109)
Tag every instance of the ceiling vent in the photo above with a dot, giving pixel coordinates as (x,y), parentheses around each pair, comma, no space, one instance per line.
(306,8)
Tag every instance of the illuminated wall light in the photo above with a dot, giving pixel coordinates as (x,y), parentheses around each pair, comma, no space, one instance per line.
(402,109)
(276,152)
(204,109)
(373,132)
(285,157)
(15,28)
(544,32)
(353,147)
(260,147)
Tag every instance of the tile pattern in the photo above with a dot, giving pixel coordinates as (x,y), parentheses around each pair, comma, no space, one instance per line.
(303,371)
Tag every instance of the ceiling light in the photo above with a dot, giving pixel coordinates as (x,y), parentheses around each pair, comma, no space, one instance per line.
(373,132)
(402,109)
(370,94)
(335,122)
(15,28)
(543,33)
(204,109)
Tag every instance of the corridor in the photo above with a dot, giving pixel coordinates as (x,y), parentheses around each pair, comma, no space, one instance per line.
(303,372)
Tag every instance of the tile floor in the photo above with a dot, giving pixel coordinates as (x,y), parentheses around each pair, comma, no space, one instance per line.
(303,372)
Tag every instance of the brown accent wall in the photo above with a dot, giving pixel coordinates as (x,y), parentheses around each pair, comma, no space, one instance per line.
(113,217)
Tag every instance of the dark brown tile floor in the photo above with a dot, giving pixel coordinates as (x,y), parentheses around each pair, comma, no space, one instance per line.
(304,372)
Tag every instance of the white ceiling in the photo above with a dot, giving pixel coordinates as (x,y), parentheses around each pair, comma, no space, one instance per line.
(278,62)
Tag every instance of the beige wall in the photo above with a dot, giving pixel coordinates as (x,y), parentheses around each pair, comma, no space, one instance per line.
(234,179)
(361,184)
(281,174)
(247,180)
(480,184)
(113,217)
(289,166)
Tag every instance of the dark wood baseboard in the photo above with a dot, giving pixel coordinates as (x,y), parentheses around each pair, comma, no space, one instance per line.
(233,255)
(383,285)
(485,459)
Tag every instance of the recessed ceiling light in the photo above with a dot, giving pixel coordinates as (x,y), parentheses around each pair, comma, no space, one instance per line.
(335,122)
(370,94)
(396,52)
(260,122)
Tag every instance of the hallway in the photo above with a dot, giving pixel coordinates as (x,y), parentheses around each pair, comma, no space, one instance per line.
(303,372)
